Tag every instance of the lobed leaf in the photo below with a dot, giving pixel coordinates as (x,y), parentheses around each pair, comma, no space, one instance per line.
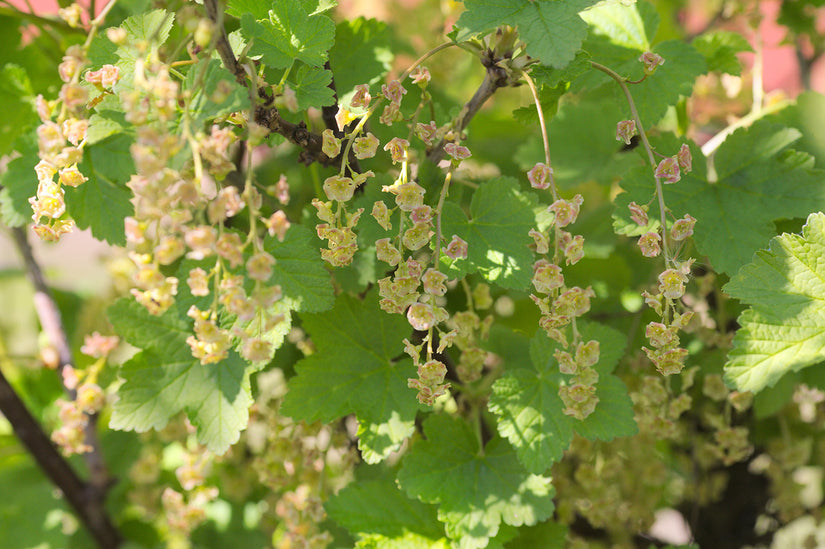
(784,329)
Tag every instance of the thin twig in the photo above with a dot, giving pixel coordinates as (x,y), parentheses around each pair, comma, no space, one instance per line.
(52,324)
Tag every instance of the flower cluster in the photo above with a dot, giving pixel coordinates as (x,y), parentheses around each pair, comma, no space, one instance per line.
(666,354)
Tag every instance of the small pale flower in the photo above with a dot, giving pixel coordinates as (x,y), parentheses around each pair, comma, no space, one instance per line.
(408,196)
(651,61)
(426,132)
(344,117)
(169,249)
(387,253)
(256,350)
(421,316)
(672,283)
(277,224)
(638,214)
(324,210)
(398,149)
(362,96)
(422,214)
(457,152)
(625,130)
(381,215)
(650,244)
(394,92)
(366,146)
(259,266)
(198,282)
(660,335)
(201,240)
(330,145)
(434,282)
(684,158)
(587,354)
(420,75)
(339,188)
(567,364)
(96,345)
(668,170)
(90,398)
(546,276)
(105,77)
(572,247)
(230,247)
(390,115)
(72,177)
(416,237)
(682,228)
(541,240)
(574,302)
(566,211)
(457,248)
(540,176)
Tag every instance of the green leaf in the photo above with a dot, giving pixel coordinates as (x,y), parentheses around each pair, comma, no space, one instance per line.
(354,370)
(758,180)
(720,48)
(530,412)
(355,509)
(501,217)
(362,54)
(101,128)
(258,9)
(18,112)
(547,535)
(784,329)
(103,202)
(376,441)
(629,26)
(217,93)
(151,28)
(553,31)
(808,116)
(164,379)
(19,182)
(475,490)
(289,33)
(300,271)
(311,86)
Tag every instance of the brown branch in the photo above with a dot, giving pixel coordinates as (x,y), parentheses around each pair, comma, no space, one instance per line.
(222,41)
(52,324)
(494,79)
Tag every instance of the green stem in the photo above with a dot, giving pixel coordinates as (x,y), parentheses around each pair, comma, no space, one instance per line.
(543,127)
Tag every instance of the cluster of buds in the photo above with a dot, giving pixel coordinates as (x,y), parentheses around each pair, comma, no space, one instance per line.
(210,344)
(183,514)
(467,332)
(430,381)
(666,354)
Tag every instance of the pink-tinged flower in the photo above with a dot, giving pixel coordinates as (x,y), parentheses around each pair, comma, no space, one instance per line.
(668,170)
(457,248)
(672,283)
(72,177)
(70,381)
(398,149)
(391,114)
(457,152)
(638,214)
(365,146)
(386,252)
(434,282)
(229,247)
(362,96)
(587,354)
(574,302)
(566,210)
(650,244)
(198,282)
(540,176)
(394,92)
(541,241)
(682,228)
(330,145)
(75,130)
(339,188)
(422,214)
(169,249)
(417,236)
(90,398)
(343,117)
(426,132)
(324,210)
(277,224)
(421,316)
(625,130)
(259,266)
(660,335)
(96,345)
(567,364)
(381,214)
(546,276)
(684,158)
(201,240)
(408,196)
(256,350)
(651,61)
(572,247)
(420,76)
(281,190)
(106,76)
(432,372)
